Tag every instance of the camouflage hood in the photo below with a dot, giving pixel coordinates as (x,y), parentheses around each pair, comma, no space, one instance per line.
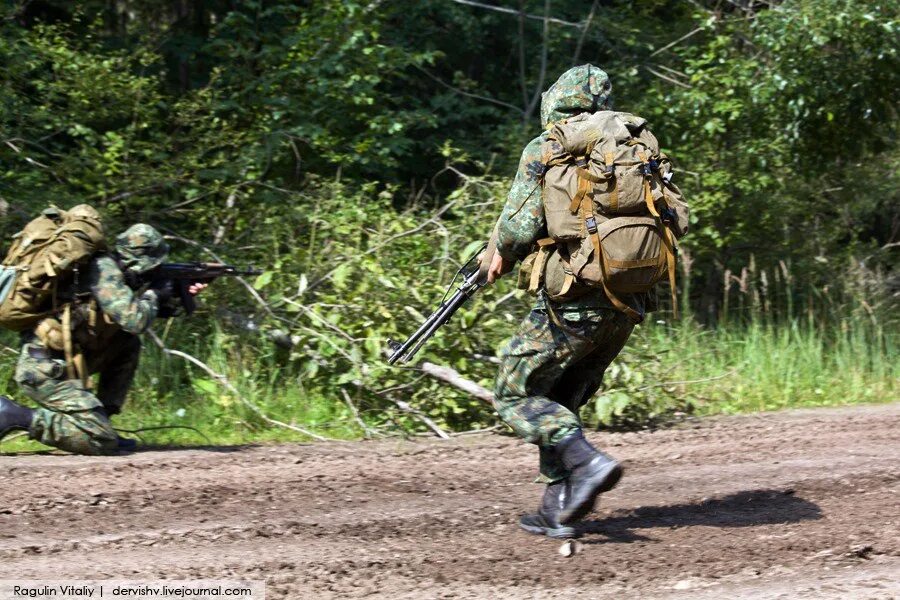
(580,89)
(141,248)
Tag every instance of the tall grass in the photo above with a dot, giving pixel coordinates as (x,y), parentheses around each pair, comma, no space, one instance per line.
(730,369)
(764,366)
(774,343)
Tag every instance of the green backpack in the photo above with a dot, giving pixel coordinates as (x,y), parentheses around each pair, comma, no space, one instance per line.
(612,211)
(45,258)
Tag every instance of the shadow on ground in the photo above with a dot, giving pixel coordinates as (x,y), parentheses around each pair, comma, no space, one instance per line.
(742,509)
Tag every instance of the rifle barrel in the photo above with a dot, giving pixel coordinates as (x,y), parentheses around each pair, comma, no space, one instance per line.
(421,334)
(405,351)
(444,315)
(204,270)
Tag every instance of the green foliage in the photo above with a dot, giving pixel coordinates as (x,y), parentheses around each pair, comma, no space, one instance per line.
(360,150)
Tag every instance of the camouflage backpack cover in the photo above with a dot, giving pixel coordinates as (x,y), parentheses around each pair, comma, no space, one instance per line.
(45,257)
(613,214)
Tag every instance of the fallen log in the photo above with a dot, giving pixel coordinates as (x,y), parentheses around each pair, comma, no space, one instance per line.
(451,376)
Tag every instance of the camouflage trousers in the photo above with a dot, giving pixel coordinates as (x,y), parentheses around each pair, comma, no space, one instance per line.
(549,370)
(71,417)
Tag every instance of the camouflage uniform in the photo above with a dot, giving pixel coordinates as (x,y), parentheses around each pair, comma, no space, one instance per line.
(106,323)
(556,360)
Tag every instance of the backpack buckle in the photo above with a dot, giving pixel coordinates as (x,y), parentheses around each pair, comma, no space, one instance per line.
(591,224)
(645,170)
(668,216)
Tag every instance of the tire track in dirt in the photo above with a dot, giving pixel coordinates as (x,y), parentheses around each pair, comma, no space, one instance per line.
(737,504)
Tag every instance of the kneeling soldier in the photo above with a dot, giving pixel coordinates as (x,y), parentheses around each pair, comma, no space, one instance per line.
(105,323)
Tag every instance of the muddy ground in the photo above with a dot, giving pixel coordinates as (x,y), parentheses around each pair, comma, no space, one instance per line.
(800,504)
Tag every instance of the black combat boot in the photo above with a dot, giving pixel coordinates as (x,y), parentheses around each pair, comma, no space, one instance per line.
(591,472)
(13,417)
(546,520)
(126,444)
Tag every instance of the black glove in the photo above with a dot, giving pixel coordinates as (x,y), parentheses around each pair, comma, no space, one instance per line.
(164,290)
(167,310)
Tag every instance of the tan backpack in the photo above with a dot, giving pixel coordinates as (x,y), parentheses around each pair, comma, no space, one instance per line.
(612,211)
(44,259)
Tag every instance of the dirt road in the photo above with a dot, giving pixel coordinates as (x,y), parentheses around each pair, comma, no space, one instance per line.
(791,505)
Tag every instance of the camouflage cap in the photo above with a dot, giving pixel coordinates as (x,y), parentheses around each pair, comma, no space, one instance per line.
(141,248)
(580,89)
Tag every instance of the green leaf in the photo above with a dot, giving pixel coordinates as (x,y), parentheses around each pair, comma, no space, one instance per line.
(263,280)
(206,387)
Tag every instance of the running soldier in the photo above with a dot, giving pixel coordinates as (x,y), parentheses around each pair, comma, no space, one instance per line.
(556,360)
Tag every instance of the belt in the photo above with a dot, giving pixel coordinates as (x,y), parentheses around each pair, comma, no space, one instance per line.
(43,353)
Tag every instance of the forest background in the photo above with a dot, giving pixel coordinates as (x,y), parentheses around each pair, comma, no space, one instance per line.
(360,151)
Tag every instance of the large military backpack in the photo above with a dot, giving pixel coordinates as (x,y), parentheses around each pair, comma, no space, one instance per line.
(612,211)
(45,258)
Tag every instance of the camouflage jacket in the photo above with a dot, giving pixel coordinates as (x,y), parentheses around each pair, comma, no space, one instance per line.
(113,305)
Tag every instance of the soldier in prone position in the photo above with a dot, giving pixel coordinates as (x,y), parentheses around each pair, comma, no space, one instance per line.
(106,323)
(556,360)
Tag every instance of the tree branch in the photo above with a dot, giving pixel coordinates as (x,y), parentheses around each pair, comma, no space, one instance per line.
(510,11)
(448,375)
(539,88)
(469,94)
(367,431)
(667,78)
(522,83)
(389,240)
(587,25)
(676,42)
(223,381)
(405,407)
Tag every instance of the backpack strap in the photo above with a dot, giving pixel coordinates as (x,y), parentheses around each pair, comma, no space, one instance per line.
(584,189)
(632,314)
(647,171)
(611,176)
(569,279)
(68,348)
(586,178)
(545,246)
(669,249)
(75,363)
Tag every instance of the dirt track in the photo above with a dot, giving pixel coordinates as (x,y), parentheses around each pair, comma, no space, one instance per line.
(790,505)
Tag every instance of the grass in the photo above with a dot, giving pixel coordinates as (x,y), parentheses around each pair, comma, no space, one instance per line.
(739,367)
(762,366)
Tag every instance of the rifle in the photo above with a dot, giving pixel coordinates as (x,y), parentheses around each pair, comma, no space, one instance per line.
(184,274)
(474,277)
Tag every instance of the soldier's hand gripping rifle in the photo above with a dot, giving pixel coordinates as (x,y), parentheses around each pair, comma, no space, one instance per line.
(473,276)
(183,275)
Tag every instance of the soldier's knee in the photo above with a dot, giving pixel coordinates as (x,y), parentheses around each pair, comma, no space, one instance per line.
(511,381)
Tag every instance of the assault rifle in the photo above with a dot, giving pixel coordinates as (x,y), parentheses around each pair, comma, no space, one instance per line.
(184,274)
(472,276)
